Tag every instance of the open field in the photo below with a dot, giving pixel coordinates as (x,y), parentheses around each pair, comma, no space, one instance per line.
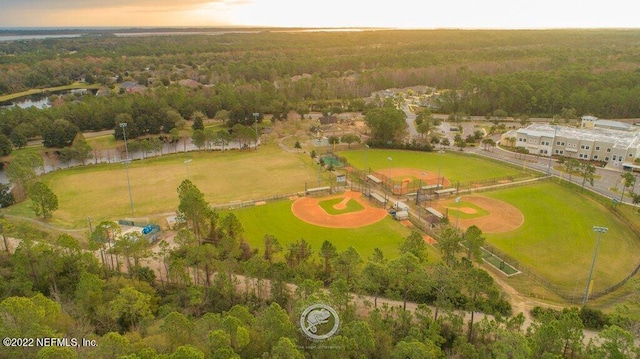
(453,167)
(557,240)
(277,219)
(100,191)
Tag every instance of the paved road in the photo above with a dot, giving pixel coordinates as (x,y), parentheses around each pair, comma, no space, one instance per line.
(411,122)
(608,178)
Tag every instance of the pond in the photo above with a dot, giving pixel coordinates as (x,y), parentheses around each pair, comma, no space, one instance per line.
(42,100)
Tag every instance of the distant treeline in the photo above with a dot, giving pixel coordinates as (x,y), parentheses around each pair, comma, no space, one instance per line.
(536,73)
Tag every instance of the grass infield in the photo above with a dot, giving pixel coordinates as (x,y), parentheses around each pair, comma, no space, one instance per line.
(351,206)
(453,210)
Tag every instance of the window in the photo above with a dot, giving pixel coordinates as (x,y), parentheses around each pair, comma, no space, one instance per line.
(631,155)
(573,145)
(608,150)
(595,157)
(558,143)
(606,158)
(615,157)
(597,148)
(582,147)
(561,152)
(586,147)
(557,152)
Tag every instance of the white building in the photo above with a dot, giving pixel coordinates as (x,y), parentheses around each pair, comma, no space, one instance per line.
(620,148)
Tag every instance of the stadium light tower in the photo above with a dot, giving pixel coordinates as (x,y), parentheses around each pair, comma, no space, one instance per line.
(319,161)
(186,164)
(457,213)
(255,120)
(123,125)
(600,231)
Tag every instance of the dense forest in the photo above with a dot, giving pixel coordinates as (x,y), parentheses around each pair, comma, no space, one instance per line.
(537,73)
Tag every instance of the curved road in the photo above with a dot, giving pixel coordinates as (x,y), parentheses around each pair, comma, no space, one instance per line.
(411,121)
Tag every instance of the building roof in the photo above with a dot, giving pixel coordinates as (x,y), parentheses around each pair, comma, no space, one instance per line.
(620,139)
(613,124)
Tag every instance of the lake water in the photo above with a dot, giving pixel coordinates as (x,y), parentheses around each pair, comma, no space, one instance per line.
(34,37)
(40,100)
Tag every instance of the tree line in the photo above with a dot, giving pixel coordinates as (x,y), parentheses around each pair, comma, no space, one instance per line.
(103,288)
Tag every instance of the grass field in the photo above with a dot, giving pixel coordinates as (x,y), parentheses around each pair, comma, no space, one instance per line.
(100,191)
(351,206)
(557,238)
(277,219)
(453,167)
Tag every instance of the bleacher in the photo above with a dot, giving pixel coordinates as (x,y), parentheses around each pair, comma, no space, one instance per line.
(378,198)
(374,179)
(445,191)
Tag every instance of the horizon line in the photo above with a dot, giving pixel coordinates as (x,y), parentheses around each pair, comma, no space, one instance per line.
(238,27)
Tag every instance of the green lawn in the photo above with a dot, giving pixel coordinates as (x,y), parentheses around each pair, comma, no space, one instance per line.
(557,238)
(453,167)
(351,206)
(277,219)
(100,191)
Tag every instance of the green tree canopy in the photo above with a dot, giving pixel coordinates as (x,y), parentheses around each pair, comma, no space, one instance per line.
(44,201)
(387,124)
(59,134)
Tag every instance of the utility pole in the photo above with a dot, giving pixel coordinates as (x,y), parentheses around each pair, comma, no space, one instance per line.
(123,125)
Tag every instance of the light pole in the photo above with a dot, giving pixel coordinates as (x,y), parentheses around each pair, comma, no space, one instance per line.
(439,165)
(319,161)
(123,125)
(457,213)
(255,119)
(600,231)
(389,179)
(186,164)
(366,158)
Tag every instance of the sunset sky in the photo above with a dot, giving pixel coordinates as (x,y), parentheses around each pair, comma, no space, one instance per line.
(326,13)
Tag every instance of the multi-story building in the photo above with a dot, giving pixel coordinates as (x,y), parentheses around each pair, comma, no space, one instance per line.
(617,147)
